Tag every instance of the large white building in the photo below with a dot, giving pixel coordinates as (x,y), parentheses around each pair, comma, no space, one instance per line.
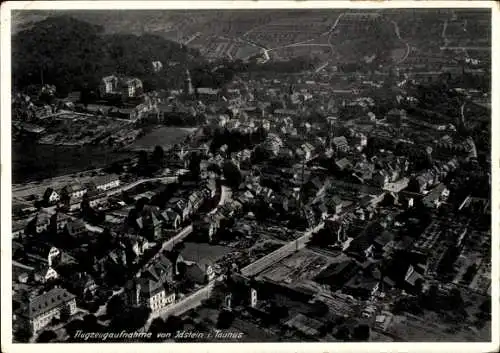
(126,86)
(41,309)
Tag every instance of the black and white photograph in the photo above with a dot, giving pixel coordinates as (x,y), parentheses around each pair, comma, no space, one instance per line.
(246,175)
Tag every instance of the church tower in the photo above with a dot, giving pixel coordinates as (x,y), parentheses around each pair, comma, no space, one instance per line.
(188,86)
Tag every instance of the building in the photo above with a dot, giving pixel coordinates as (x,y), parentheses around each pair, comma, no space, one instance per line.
(128,87)
(436,196)
(44,253)
(188,90)
(46,274)
(150,222)
(58,222)
(306,325)
(51,196)
(107,182)
(75,191)
(43,308)
(340,144)
(108,85)
(157,66)
(154,286)
(41,222)
(131,87)
(76,228)
(172,219)
(196,199)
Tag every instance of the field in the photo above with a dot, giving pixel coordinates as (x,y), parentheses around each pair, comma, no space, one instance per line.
(241,34)
(31,161)
(162,136)
(301,266)
(431,328)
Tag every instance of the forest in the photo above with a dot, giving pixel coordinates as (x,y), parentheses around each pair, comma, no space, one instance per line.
(75,55)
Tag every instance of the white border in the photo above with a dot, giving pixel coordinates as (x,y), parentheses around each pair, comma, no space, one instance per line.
(5,149)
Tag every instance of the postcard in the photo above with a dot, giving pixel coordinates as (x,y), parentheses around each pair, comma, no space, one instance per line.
(313,176)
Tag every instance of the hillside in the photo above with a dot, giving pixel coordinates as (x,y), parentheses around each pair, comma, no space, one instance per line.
(73,54)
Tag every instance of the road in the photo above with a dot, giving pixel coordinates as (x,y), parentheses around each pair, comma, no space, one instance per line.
(181,235)
(398,34)
(187,303)
(75,205)
(297,44)
(462,110)
(280,253)
(443,33)
(166,179)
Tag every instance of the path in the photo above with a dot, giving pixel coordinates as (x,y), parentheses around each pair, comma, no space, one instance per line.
(398,34)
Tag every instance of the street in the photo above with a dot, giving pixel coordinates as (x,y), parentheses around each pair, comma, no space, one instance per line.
(189,302)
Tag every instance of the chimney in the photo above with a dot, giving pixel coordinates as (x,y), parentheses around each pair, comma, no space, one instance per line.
(227,301)
(137,293)
(253,298)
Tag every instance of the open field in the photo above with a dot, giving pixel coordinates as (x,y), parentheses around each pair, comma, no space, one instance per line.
(31,161)
(241,34)
(301,266)
(163,136)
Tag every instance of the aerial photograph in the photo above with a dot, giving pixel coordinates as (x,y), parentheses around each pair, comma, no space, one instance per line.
(238,175)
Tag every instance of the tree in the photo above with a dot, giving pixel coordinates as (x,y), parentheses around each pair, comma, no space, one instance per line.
(343,333)
(143,167)
(194,165)
(115,306)
(46,196)
(158,157)
(225,319)
(361,333)
(65,198)
(156,326)
(46,336)
(173,323)
(23,334)
(131,318)
(90,322)
(65,314)
(232,174)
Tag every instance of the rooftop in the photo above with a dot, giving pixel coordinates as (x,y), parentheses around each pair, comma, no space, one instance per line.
(48,301)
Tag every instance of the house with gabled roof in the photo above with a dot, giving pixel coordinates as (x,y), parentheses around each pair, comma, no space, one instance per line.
(171,218)
(150,222)
(107,182)
(154,287)
(181,206)
(204,257)
(58,221)
(75,190)
(76,228)
(43,253)
(46,274)
(41,222)
(51,195)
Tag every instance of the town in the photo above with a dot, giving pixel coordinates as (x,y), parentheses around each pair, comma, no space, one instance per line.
(333,203)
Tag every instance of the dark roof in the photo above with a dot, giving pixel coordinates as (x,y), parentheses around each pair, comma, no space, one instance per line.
(48,301)
(362,282)
(76,227)
(104,179)
(40,248)
(203,254)
(74,187)
(337,269)
(384,238)
(150,215)
(156,276)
